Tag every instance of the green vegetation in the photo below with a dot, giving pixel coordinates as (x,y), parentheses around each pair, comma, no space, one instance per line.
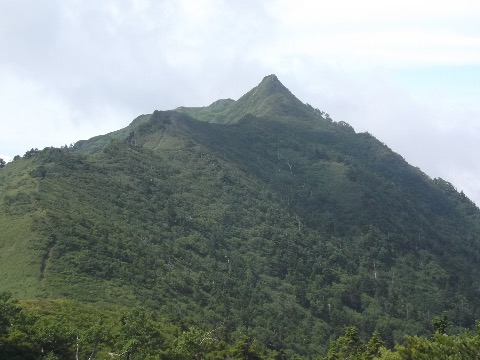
(258,225)
(68,329)
(50,329)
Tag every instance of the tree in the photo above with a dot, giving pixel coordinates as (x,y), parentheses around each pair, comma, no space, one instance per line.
(245,349)
(440,323)
(92,338)
(463,346)
(52,336)
(31,153)
(347,346)
(14,342)
(350,346)
(2,163)
(190,344)
(374,345)
(8,311)
(139,335)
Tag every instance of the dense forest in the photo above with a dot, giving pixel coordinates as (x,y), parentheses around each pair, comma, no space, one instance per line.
(258,226)
(71,330)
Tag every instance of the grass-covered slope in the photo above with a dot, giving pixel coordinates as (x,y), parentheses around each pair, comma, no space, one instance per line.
(281,225)
(20,256)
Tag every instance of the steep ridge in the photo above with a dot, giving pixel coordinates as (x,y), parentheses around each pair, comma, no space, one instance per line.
(258,214)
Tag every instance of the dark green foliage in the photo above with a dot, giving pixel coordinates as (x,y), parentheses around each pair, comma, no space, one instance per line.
(282,227)
(8,312)
(31,153)
(245,349)
(440,323)
(14,340)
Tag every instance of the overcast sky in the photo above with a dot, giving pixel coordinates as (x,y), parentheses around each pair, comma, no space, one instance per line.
(406,71)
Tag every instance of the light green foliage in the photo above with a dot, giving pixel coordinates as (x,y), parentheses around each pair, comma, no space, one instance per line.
(246,349)
(139,337)
(442,347)
(193,343)
(19,257)
(350,346)
(51,336)
(347,346)
(374,345)
(66,329)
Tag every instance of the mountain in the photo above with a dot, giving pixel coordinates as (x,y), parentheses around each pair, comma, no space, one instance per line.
(260,216)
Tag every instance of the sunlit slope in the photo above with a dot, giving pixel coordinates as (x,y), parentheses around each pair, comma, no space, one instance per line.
(20,256)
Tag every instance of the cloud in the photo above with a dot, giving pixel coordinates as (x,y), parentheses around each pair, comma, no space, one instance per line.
(372,33)
(36,117)
(371,11)
(5,158)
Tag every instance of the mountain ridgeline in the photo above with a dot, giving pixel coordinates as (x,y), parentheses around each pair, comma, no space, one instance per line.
(261,216)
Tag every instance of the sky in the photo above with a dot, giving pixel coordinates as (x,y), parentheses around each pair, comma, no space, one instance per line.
(407,72)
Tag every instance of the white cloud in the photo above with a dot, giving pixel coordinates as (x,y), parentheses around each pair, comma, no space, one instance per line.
(5,158)
(309,13)
(372,33)
(36,117)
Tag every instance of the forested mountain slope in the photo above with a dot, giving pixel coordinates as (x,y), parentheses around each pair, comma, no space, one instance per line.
(261,215)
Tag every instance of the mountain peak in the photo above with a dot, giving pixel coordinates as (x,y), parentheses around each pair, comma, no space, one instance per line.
(269,98)
(270,78)
(270,85)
